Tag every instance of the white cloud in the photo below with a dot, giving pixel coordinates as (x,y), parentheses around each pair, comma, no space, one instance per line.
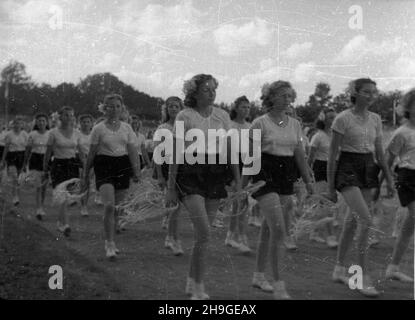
(360,47)
(404,67)
(32,11)
(298,50)
(109,61)
(161,24)
(304,72)
(232,39)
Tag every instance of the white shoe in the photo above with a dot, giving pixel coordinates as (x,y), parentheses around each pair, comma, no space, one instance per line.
(258,222)
(39,214)
(332,242)
(84,212)
(230,241)
(16,201)
(340,275)
(177,247)
(393,273)
(280,293)
(190,286)
(259,281)
(243,245)
(60,227)
(368,289)
(168,243)
(117,251)
(65,229)
(199,292)
(110,250)
(290,244)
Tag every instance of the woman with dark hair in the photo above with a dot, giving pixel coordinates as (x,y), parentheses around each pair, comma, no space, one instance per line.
(13,154)
(63,143)
(402,146)
(236,236)
(35,152)
(113,155)
(281,152)
(317,160)
(357,133)
(169,112)
(200,185)
(85,124)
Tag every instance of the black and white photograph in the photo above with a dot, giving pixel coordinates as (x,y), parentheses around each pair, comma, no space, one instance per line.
(230,151)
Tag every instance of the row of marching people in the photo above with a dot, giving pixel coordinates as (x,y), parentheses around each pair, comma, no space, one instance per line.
(345,157)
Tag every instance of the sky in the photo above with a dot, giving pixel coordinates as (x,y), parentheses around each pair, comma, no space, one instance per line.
(155,45)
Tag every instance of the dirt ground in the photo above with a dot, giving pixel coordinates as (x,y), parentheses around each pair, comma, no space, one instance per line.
(146,270)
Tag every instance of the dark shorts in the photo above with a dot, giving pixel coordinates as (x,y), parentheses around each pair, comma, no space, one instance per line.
(63,170)
(279,174)
(320,170)
(357,170)
(405,186)
(113,170)
(207,180)
(15,159)
(36,162)
(1,151)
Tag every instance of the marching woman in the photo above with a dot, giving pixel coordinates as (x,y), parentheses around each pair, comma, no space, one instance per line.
(35,152)
(200,185)
(140,142)
(317,160)
(357,133)
(149,144)
(236,236)
(13,154)
(281,151)
(169,112)
(63,143)
(85,121)
(114,157)
(402,145)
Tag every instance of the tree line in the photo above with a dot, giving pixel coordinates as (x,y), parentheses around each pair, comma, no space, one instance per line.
(25,97)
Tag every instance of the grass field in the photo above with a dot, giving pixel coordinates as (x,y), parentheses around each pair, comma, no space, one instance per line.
(146,270)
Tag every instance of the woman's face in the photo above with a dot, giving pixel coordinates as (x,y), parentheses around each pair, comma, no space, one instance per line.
(41,123)
(67,117)
(243,110)
(206,93)
(367,94)
(173,109)
(282,99)
(328,121)
(113,108)
(86,124)
(135,124)
(18,124)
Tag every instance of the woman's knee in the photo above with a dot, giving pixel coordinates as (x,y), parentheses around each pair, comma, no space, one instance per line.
(202,236)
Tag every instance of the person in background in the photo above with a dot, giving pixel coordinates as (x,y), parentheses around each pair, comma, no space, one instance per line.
(34,156)
(85,124)
(13,154)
